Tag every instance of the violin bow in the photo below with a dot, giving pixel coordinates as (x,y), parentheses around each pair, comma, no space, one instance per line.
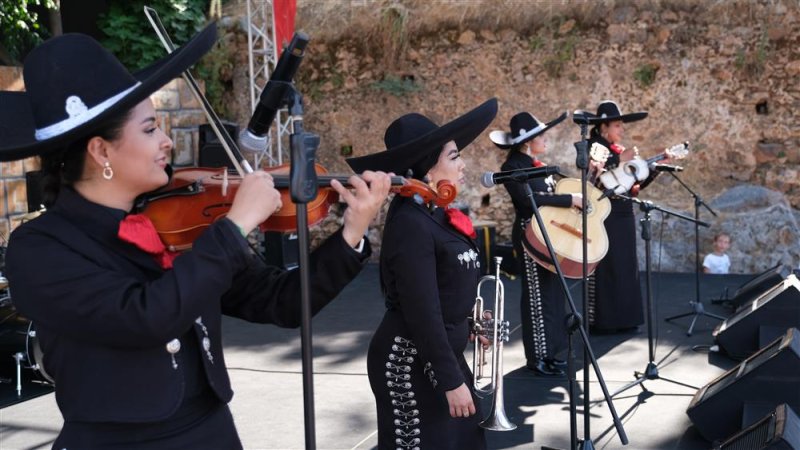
(228,143)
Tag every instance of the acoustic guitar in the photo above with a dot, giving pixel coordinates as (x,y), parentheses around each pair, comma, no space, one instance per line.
(564,227)
(621,178)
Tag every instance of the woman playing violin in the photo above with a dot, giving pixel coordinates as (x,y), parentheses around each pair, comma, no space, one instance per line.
(131,331)
(615,297)
(429,270)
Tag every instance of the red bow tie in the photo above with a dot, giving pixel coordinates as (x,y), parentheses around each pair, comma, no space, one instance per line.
(537,163)
(460,222)
(138,230)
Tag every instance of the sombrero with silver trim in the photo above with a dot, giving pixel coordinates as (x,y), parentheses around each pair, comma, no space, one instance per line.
(73,84)
(524,127)
(608,111)
(414,141)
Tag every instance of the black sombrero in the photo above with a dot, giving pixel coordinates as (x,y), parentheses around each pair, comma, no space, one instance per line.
(73,85)
(414,142)
(608,111)
(524,127)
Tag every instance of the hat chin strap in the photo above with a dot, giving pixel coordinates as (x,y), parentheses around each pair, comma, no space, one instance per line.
(79,114)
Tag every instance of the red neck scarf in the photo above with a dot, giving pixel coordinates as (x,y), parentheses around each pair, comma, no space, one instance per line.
(537,163)
(138,230)
(460,222)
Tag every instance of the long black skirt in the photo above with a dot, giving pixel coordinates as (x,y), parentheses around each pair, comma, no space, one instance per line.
(411,412)
(615,296)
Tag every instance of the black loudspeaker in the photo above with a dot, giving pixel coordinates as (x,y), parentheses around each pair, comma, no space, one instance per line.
(211,153)
(281,249)
(746,393)
(761,320)
(780,430)
(34,187)
(756,286)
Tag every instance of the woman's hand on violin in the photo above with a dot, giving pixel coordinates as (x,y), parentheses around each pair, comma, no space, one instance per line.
(256,199)
(363,202)
(460,401)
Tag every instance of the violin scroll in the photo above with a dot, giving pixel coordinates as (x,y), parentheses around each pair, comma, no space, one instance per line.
(443,195)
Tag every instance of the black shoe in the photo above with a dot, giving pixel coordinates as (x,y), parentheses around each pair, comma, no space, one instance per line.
(543,368)
(557,363)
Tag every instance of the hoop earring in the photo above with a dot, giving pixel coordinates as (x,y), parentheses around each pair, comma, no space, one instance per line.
(108,172)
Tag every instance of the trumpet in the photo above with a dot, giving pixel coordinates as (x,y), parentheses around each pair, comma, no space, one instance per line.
(494,327)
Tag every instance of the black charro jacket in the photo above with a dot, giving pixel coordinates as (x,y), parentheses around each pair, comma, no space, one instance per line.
(104,310)
(429,273)
(539,186)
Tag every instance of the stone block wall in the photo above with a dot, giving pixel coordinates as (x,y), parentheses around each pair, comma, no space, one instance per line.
(179,115)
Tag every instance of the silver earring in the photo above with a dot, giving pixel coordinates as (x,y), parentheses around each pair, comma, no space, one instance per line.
(108,173)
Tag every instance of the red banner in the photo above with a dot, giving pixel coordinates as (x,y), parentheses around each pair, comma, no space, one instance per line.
(283,13)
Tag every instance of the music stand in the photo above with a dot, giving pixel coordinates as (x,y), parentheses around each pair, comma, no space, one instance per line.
(697,305)
(651,372)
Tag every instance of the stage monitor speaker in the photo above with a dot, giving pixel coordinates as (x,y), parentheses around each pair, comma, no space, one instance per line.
(281,249)
(780,430)
(749,391)
(34,188)
(757,285)
(761,320)
(211,153)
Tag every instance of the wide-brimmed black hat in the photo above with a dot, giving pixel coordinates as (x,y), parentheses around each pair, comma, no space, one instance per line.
(524,127)
(73,84)
(608,111)
(414,142)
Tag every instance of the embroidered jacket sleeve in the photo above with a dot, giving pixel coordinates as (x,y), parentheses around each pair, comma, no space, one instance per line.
(408,260)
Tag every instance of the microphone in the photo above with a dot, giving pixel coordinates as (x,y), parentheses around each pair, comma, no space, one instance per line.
(254,137)
(665,168)
(582,117)
(490,179)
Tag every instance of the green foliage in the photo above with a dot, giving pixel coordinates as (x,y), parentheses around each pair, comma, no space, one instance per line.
(562,53)
(754,62)
(131,38)
(399,87)
(19,30)
(645,74)
(216,69)
(535,42)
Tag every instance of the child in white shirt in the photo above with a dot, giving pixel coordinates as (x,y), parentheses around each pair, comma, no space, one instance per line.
(718,262)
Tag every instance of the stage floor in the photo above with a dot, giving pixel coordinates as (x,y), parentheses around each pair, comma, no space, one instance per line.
(264,363)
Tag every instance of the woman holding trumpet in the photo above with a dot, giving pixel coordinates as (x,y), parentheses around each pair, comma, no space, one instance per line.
(429,273)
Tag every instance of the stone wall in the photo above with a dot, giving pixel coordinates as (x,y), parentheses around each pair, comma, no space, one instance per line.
(179,115)
(722,75)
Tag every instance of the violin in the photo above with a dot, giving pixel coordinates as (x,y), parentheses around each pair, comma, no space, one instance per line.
(196,197)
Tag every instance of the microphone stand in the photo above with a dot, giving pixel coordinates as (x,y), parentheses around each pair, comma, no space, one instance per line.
(582,163)
(303,189)
(574,322)
(651,372)
(697,305)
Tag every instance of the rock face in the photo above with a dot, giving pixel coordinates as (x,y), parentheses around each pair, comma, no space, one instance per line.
(723,76)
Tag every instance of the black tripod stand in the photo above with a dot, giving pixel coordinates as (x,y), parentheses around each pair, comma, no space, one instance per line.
(574,322)
(696,305)
(651,372)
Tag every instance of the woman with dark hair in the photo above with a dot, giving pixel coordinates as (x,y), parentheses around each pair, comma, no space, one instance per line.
(429,270)
(542,305)
(615,297)
(131,332)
